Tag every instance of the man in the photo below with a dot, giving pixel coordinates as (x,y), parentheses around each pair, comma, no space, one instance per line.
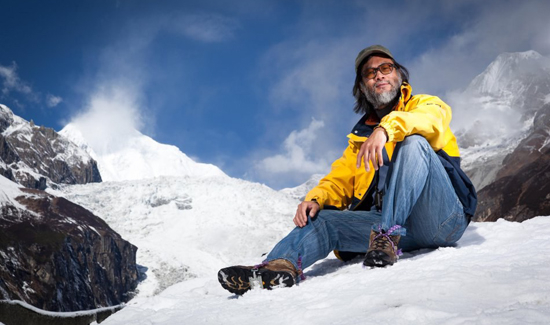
(398,185)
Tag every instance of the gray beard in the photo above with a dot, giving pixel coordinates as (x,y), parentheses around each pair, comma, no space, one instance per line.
(379,101)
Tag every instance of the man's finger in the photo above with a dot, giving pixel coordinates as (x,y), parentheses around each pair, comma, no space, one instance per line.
(359,156)
(313,211)
(380,158)
(372,156)
(366,159)
(303,215)
(297,217)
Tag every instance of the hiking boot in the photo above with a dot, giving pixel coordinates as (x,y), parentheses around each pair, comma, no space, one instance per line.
(382,249)
(239,279)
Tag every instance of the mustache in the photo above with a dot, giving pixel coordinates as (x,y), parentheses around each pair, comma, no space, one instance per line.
(383,81)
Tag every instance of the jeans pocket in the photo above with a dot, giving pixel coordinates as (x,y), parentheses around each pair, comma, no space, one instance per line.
(451,230)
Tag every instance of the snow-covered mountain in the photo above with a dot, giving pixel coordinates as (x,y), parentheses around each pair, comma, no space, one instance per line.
(497,109)
(502,123)
(137,156)
(299,192)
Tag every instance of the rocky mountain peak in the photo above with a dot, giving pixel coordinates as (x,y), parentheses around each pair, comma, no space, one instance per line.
(520,79)
(35,156)
(58,256)
(504,135)
(6,117)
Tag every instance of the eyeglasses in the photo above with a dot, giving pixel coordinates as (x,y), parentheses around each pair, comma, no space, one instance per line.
(385,68)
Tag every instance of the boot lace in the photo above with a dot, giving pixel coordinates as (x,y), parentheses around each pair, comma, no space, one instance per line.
(383,240)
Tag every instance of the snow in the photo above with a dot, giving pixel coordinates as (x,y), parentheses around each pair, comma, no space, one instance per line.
(137,156)
(8,192)
(299,192)
(185,227)
(496,111)
(497,274)
(501,98)
(501,75)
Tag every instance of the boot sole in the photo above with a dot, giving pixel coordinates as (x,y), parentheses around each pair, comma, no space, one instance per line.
(236,279)
(378,259)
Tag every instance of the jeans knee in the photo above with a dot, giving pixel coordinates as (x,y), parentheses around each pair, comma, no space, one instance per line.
(415,140)
(414,145)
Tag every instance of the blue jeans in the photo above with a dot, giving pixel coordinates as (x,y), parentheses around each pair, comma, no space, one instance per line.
(419,197)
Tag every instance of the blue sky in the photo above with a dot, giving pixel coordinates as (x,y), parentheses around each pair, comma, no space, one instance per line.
(261,89)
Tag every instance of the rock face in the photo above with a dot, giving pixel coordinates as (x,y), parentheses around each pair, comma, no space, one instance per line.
(58,256)
(522,187)
(37,156)
(506,135)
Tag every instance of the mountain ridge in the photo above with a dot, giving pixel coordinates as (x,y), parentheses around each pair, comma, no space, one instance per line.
(37,157)
(138,157)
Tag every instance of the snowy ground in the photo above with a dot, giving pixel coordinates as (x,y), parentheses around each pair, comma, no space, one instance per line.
(498,274)
(186,229)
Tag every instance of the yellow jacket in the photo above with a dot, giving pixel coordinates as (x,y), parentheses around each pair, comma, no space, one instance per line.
(425,115)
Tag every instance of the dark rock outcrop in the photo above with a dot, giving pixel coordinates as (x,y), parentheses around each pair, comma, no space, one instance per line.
(522,187)
(58,256)
(35,156)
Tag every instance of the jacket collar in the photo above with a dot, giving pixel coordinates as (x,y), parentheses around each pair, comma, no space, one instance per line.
(406,91)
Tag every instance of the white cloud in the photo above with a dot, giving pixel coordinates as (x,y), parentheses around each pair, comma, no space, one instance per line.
(11,81)
(116,107)
(205,27)
(302,155)
(52,100)
(112,115)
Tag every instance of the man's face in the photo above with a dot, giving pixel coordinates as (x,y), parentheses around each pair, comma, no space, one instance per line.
(383,88)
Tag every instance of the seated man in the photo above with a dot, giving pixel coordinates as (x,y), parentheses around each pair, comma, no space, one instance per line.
(398,185)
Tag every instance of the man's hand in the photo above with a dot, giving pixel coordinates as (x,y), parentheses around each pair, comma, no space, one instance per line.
(371,150)
(305,209)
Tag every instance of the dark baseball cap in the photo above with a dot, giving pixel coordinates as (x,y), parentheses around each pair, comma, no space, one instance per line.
(373,49)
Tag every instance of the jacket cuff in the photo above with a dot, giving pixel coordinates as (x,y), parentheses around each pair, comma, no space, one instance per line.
(388,129)
(315,199)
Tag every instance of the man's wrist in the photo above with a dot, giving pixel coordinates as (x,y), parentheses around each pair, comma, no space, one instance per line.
(384,131)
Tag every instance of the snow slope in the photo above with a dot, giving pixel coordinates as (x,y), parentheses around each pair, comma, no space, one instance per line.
(299,192)
(498,274)
(8,192)
(186,227)
(137,156)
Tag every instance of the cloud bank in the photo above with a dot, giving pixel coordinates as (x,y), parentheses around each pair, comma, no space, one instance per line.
(11,81)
